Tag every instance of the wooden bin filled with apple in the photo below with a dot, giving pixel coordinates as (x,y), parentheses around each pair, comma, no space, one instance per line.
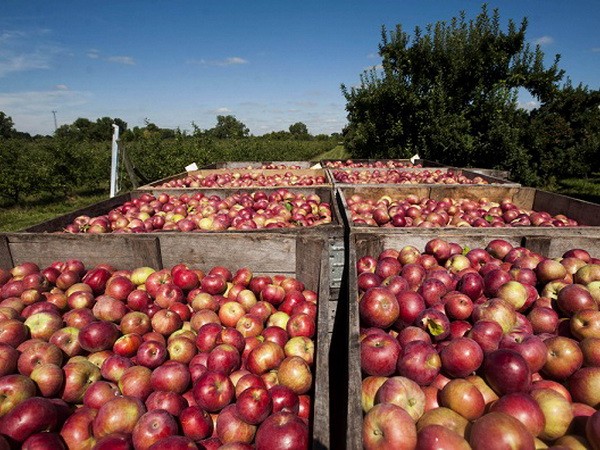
(473,339)
(520,211)
(404,163)
(259,260)
(331,227)
(176,243)
(236,177)
(442,175)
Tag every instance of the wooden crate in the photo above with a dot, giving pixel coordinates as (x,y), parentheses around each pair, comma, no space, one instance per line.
(491,180)
(206,172)
(362,244)
(302,256)
(176,242)
(528,198)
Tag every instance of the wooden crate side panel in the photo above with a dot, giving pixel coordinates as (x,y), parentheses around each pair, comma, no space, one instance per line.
(312,268)
(473,192)
(123,252)
(554,246)
(359,246)
(489,178)
(6,260)
(584,212)
(264,253)
(475,240)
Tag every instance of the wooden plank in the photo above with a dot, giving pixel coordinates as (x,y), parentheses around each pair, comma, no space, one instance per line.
(267,253)
(360,245)
(6,261)
(312,268)
(584,212)
(121,251)
(146,252)
(555,245)
(524,197)
(538,244)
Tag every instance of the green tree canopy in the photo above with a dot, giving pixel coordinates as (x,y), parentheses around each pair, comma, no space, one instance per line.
(85,129)
(6,126)
(449,93)
(228,127)
(299,130)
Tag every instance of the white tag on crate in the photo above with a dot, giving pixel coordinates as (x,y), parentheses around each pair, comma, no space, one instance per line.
(191,167)
(414,158)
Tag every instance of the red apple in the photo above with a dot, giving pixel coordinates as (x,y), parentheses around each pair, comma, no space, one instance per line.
(379,354)
(506,371)
(389,426)
(213,391)
(497,430)
(282,427)
(152,427)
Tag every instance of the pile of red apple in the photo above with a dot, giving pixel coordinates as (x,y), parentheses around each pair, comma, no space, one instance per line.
(495,347)
(198,213)
(412,211)
(167,359)
(241,178)
(395,176)
(387,164)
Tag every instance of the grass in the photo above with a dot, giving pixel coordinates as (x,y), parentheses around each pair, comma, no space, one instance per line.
(587,189)
(338,152)
(36,210)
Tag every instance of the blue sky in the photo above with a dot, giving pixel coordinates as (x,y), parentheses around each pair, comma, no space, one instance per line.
(269,63)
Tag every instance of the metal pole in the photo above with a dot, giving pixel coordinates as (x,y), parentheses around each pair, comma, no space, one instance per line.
(114,161)
(55,123)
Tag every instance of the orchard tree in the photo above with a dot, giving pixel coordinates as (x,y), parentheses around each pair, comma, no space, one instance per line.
(449,93)
(84,129)
(567,127)
(299,131)
(6,126)
(228,127)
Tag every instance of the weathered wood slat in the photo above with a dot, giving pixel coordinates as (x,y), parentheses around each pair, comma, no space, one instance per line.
(126,252)
(269,252)
(6,261)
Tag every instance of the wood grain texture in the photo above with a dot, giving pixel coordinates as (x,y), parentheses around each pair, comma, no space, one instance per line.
(6,261)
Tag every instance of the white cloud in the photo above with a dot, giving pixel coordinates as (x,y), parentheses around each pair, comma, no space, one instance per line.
(222,110)
(21,51)
(231,61)
(373,55)
(31,111)
(61,87)
(596,49)
(544,40)
(127,60)
(529,105)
